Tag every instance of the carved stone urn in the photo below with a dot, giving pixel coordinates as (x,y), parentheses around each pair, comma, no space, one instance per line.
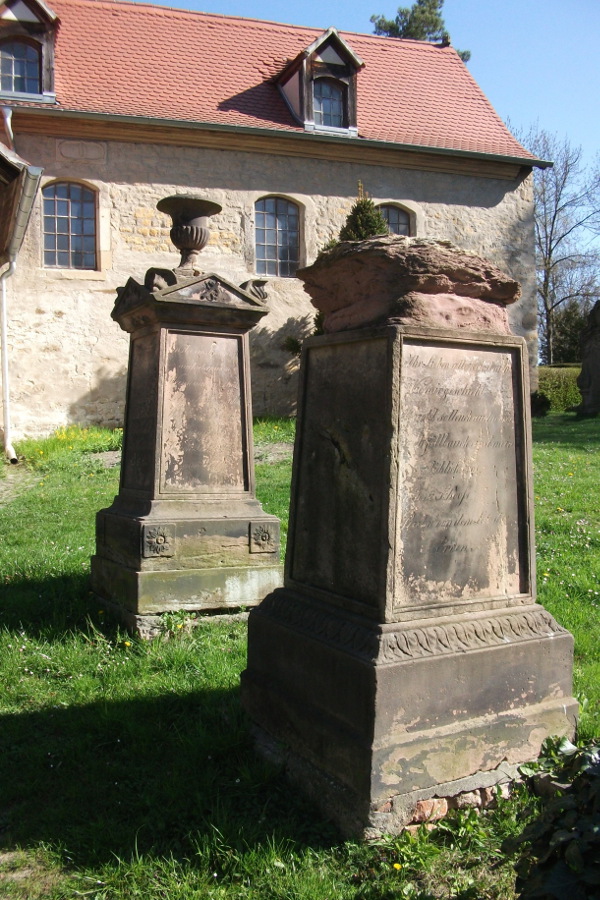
(189,232)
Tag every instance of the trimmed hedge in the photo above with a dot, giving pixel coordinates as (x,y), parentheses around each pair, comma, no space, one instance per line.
(559,384)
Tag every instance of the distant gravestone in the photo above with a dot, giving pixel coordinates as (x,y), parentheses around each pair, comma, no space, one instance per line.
(405,658)
(589,377)
(186,532)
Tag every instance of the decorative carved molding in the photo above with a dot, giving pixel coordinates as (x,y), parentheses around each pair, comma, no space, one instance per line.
(406,642)
(212,292)
(457,637)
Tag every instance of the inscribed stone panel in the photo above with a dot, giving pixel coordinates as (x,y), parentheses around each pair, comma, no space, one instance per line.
(461,492)
(202,446)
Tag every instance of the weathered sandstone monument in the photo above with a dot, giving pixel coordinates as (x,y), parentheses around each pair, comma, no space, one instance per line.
(186,531)
(589,377)
(405,658)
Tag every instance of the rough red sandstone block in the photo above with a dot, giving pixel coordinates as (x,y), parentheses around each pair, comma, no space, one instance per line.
(409,280)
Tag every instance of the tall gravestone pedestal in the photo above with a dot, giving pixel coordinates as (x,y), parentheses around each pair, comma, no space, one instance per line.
(186,531)
(589,377)
(406,658)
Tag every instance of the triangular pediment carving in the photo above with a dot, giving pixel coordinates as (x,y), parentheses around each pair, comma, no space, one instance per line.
(211,289)
(208,298)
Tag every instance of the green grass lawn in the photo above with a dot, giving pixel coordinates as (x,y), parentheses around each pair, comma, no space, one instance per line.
(126,767)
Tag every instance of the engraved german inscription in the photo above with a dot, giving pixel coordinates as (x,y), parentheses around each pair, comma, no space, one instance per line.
(458,531)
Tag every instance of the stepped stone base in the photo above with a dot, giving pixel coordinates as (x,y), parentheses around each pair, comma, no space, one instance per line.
(373,718)
(150,566)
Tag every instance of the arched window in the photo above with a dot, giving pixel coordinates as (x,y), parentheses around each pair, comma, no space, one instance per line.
(398,220)
(277,237)
(329,103)
(20,68)
(69,226)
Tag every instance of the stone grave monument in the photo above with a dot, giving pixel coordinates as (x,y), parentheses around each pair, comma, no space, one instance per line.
(405,658)
(588,380)
(186,531)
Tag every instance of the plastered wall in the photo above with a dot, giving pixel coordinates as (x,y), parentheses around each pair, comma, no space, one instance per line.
(68,358)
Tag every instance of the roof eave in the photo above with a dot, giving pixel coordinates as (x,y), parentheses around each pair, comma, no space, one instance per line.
(530,162)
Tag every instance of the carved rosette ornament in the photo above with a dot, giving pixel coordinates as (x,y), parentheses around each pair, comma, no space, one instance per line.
(158,540)
(262,539)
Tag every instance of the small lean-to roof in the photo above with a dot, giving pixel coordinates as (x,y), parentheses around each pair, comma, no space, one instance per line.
(137,60)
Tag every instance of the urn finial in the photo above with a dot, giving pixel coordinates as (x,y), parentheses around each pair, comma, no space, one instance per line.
(190,232)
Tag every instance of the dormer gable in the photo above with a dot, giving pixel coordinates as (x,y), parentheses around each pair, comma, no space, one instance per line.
(27,32)
(319,85)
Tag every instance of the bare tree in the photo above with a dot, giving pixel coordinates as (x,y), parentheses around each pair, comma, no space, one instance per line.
(567,219)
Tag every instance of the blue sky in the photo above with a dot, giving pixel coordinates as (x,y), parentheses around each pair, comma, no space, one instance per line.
(537,60)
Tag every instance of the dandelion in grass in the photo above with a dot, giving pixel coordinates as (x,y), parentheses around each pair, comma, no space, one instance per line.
(397,867)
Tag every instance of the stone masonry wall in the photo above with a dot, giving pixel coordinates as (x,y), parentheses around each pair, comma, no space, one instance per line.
(68,358)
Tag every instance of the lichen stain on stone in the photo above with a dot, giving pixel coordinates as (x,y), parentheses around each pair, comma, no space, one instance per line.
(216,550)
(455,757)
(176,425)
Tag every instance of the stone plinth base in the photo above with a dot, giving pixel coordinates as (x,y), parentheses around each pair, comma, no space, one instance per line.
(373,718)
(149,566)
(150,627)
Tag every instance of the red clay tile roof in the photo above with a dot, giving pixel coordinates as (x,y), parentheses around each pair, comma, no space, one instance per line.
(134,59)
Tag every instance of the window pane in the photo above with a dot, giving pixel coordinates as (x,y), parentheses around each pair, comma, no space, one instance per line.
(398,220)
(329,103)
(65,226)
(20,67)
(277,237)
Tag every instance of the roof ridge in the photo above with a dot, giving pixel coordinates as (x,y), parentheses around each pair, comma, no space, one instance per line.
(161,8)
(179,11)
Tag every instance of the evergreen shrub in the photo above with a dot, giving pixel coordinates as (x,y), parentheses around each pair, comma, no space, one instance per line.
(559,384)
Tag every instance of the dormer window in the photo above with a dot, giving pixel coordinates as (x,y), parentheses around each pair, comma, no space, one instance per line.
(329,107)
(27,51)
(319,86)
(20,67)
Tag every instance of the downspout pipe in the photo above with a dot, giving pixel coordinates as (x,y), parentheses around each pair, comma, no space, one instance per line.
(30,179)
(9,450)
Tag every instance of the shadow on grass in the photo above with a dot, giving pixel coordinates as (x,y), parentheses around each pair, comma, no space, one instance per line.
(47,608)
(169,774)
